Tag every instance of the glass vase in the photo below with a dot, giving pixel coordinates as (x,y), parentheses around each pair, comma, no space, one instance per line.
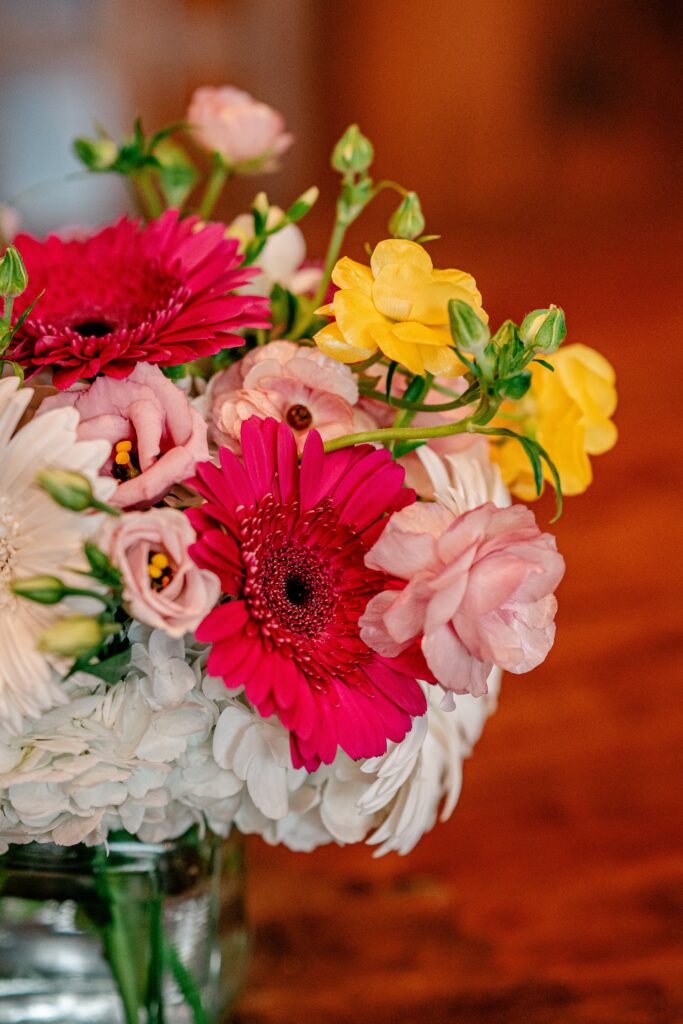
(141,933)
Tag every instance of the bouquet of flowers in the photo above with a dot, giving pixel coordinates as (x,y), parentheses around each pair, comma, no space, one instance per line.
(259,565)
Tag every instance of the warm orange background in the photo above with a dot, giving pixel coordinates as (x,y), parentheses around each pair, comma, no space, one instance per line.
(544,140)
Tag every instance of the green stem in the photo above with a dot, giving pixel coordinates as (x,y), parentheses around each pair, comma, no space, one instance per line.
(7,311)
(387,183)
(468,398)
(102,506)
(405,418)
(400,434)
(214,186)
(186,984)
(151,198)
(333,250)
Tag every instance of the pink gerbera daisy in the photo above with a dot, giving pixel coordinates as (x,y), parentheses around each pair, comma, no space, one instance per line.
(155,293)
(288,543)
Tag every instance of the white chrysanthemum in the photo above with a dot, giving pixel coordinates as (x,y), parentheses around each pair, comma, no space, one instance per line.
(37,537)
(463,481)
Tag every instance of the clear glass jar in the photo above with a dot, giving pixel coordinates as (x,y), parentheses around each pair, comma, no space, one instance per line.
(142,934)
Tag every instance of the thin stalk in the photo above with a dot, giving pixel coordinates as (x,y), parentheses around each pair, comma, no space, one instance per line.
(405,418)
(468,398)
(214,186)
(400,434)
(333,250)
(150,196)
(186,984)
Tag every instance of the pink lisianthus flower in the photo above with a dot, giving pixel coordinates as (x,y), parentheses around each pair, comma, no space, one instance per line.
(249,135)
(163,587)
(156,437)
(478,590)
(291,383)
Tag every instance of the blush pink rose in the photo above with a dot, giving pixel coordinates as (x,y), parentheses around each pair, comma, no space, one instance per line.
(479,591)
(174,597)
(295,384)
(167,436)
(249,135)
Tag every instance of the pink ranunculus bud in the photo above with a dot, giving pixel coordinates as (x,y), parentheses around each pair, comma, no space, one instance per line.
(248,135)
(156,437)
(479,591)
(163,587)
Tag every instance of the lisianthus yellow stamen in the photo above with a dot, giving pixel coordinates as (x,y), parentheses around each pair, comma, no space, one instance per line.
(568,412)
(124,446)
(399,305)
(159,570)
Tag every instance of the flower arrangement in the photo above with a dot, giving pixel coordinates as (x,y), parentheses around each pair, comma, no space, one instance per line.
(259,565)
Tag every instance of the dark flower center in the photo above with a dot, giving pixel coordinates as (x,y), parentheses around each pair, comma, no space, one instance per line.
(297,589)
(92,328)
(298,417)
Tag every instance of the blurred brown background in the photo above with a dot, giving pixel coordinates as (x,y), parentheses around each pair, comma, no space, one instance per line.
(545,142)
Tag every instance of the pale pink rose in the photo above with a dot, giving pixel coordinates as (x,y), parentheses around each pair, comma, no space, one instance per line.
(479,591)
(295,384)
(132,541)
(167,436)
(249,135)
(9,223)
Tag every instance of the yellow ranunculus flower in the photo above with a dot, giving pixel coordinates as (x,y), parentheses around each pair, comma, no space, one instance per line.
(398,304)
(568,413)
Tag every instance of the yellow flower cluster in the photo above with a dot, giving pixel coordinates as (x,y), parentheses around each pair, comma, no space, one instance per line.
(568,413)
(399,305)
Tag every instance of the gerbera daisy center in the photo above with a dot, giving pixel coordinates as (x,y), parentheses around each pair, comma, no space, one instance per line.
(296,586)
(93,328)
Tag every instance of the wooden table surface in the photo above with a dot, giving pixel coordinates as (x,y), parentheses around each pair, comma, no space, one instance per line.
(555,893)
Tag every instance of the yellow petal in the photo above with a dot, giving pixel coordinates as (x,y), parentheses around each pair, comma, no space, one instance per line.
(393,348)
(420,334)
(349,274)
(355,312)
(467,289)
(399,250)
(327,310)
(331,341)
(442,362)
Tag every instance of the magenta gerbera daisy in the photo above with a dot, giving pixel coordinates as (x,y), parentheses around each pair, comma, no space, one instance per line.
(155,293)
(288,543)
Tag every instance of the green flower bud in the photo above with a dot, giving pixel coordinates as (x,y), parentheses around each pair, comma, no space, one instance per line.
(303,204)
(13,276)
(544,329)
(408,220)
(470,333)
(75,636)
(44,589)
(96,154)
(354,153)
(71,490)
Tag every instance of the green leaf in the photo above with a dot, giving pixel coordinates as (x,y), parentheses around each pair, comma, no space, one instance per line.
(405,447)
(111,669)
(514,387)
(415,389)
(390,377)
(176,181)
(547,365)
(535,453)
(102,568)
(27,312)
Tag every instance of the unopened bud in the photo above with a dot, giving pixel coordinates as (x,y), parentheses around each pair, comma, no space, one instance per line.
(13,276)
(303,204)
(544,329)
(469,331)
(44,589)
(71,490)
(96,154)
(408,220)
(353,153)
(75,636)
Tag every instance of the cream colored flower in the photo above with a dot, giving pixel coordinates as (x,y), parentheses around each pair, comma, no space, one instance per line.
(37,538)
